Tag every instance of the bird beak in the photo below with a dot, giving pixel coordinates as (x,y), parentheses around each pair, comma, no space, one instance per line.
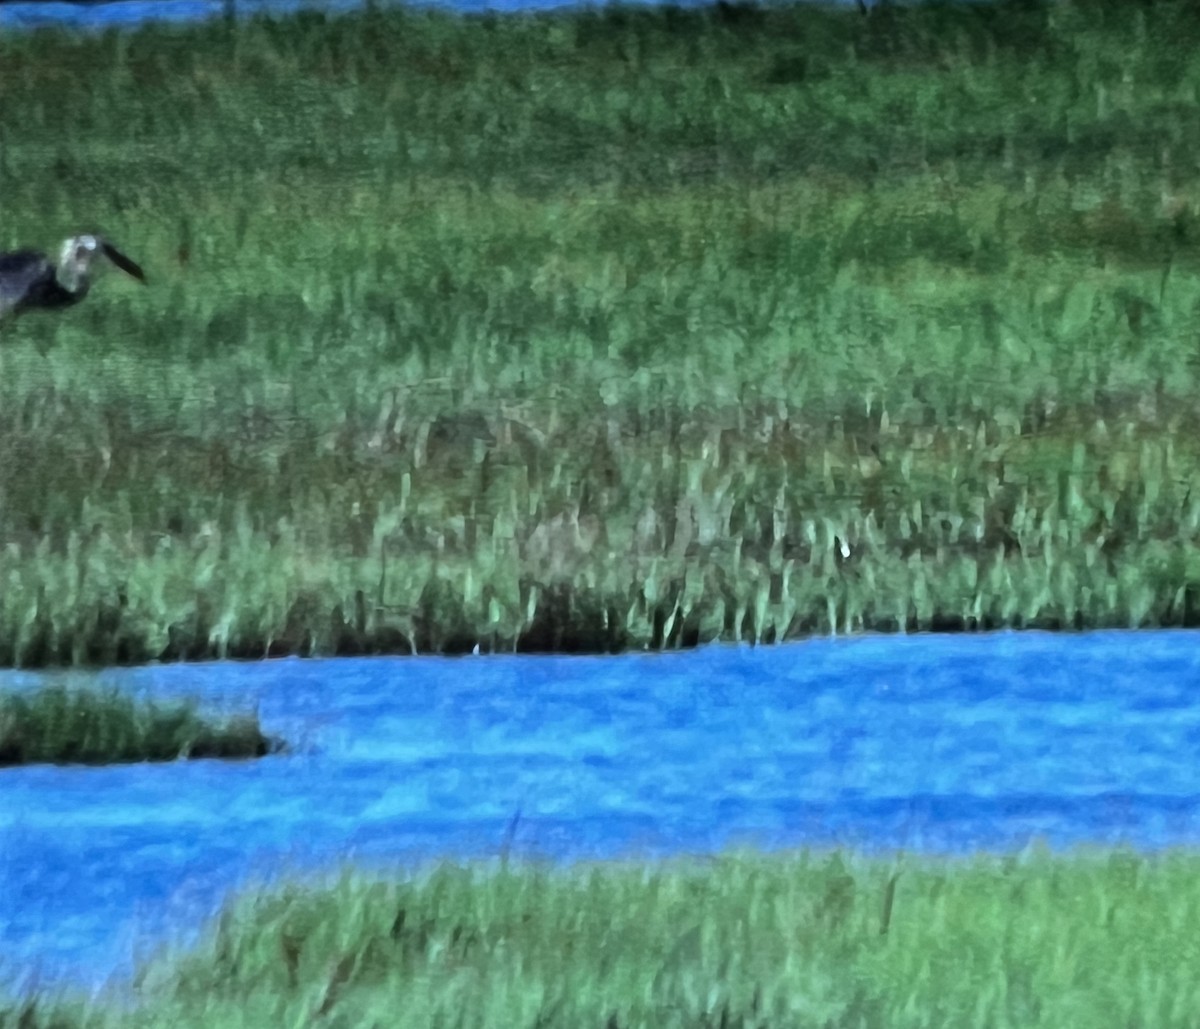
(123,262)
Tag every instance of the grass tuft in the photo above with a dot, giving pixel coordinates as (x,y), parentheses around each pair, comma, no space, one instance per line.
(60,725)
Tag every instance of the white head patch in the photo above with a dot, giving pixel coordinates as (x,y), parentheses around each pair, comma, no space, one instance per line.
(79,248)
(75,261)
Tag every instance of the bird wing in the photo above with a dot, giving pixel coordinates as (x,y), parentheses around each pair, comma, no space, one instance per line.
(21,274)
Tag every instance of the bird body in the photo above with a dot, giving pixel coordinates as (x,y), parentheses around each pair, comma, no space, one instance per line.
(30,280)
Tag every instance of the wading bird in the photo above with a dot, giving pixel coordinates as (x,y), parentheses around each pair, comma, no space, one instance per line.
(29,279)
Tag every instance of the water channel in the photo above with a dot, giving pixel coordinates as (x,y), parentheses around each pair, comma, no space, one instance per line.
(921,743)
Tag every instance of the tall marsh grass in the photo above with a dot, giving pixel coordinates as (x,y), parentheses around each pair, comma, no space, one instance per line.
(839,940)
(60,725)
(607,329)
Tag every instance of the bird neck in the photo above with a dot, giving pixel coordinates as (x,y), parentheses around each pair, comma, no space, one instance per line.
(72,278)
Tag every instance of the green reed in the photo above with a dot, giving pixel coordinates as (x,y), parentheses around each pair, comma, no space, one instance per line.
(597,330)
(837,939)
(59,725)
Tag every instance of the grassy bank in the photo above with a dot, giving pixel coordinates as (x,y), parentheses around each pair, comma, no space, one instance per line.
(604,330)
(1095,939)
(57,725)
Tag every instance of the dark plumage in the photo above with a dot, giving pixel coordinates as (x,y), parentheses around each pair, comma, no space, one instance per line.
(29,279)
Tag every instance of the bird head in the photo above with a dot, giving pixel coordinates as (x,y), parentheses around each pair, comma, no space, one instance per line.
(75,260)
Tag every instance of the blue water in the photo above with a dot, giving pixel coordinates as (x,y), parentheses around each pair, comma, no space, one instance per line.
(937,744)
(130,13)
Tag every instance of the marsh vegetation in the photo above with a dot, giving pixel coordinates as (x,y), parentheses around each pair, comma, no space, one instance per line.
(609,329)
(62,725)
(743,940)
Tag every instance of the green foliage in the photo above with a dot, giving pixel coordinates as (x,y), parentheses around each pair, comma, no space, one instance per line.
(622,328)
(749,940)
(60,725)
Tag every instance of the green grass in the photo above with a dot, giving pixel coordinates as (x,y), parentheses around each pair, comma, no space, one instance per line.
(630,328)
(1096,938)
(60,725)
